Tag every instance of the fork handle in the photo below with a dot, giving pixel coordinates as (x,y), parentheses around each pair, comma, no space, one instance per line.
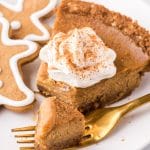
(134,104)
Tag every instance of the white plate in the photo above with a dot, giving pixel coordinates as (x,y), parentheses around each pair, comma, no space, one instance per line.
(133,132)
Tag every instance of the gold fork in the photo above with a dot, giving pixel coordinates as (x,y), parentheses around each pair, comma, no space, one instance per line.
(99,123)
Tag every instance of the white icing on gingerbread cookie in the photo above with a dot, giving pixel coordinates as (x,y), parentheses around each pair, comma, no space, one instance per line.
(15,25)
(13,62)
(35,19)
(15,5)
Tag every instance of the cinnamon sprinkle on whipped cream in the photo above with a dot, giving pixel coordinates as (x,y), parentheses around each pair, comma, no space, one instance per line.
(79,58)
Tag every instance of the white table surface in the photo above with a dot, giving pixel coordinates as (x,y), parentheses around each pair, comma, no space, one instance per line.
(133,132)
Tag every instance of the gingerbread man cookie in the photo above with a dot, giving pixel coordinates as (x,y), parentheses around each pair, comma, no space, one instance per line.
(14,94)
(25,16)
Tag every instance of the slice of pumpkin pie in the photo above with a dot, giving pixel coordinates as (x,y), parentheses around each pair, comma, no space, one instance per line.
(95,57)
(59,125)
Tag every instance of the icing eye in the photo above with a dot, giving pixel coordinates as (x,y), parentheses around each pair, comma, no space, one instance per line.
(15,25)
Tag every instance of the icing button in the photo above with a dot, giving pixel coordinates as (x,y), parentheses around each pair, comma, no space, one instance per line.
(15,25)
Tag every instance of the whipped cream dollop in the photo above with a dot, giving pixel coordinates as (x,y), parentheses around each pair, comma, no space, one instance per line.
(79,58)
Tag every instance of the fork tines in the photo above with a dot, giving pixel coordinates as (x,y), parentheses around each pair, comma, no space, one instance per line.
(26,148)
(25,138)
(30,128)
